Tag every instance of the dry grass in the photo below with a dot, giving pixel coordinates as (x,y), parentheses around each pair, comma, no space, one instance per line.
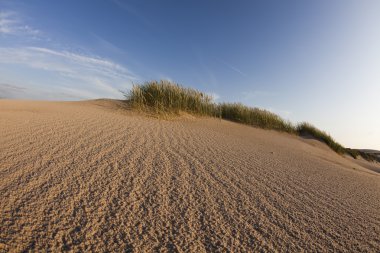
(355,153)
(307,128)
(167,97)
(255,117)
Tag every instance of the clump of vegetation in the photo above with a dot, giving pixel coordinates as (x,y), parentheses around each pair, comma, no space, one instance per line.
(255,117)
(167,97)
(308,129)
(355,153)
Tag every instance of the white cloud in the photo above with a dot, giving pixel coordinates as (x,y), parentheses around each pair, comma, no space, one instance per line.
(96,77)
(93,64)
(59,93)
(11,24)
(61,72)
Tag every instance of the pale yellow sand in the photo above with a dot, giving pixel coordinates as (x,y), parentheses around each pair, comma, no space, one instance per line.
(86,176)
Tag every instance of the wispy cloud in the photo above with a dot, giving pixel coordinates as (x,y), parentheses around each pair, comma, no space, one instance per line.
(134,11)
(230,66)
(62,72)
(107,45)
(12,91)
(206,76)
(9,90)
(250,95)
(96,77)
(12,24)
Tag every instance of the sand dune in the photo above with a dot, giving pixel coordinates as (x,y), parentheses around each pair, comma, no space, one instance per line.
(90,176)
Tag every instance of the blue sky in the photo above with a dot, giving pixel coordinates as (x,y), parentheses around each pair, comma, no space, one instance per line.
(315,61)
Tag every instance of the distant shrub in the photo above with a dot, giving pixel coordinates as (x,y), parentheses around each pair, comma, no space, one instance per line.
(355,153)
(352,152)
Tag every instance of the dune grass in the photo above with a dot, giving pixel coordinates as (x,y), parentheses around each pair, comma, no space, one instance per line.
(170,98)
(305,128)
(355,153)
(254,117)
(167,97)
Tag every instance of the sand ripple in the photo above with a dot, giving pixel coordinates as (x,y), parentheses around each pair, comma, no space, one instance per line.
(85,176)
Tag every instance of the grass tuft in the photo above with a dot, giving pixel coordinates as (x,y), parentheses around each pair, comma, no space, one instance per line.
(308,129)
(167,97)
(255,117)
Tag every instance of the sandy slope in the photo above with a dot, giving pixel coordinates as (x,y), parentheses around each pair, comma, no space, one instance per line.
(87,176)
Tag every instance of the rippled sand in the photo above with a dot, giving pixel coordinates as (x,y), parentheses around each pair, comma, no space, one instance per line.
(91,176)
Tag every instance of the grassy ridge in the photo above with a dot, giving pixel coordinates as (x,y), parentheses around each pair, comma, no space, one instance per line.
(167,97)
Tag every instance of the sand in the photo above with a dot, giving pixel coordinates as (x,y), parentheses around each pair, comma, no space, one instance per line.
(90,176)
